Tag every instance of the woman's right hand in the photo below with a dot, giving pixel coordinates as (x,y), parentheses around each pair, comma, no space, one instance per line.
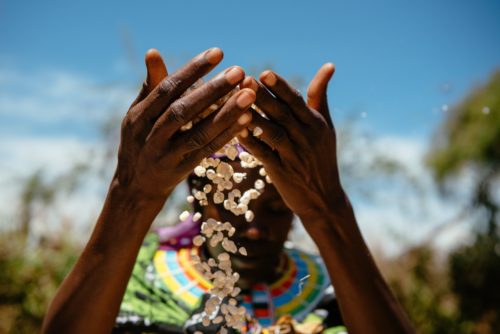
(154,156)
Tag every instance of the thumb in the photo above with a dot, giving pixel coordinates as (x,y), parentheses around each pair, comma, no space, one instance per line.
(316,92)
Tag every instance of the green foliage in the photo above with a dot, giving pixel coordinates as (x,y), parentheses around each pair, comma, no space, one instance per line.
(29,278)
(422,286)
(471,133)
(475,273)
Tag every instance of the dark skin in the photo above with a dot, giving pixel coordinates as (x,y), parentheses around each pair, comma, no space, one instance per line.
(298,149)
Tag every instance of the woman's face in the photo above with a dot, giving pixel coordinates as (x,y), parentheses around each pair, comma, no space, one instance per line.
(263,238)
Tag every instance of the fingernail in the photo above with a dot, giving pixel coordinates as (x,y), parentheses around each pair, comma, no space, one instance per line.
(245,99)
(244,119)
(234,75)
(243,133)
(213,56)
(269,78)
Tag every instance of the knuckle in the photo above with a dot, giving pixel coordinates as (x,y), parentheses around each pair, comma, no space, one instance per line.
(177,112)
(167,85)
(212,147)
(198,140)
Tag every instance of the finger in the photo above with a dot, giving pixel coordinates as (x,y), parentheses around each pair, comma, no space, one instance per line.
(260,150)
(289,95)
(189,106)
(316,92)
(156,71)
(204,132)
(273,135)
(170,88)
(273,108)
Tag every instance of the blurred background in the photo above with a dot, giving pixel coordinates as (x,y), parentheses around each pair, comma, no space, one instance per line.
(415,99)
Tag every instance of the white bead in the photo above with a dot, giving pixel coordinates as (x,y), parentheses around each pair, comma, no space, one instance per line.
(207,188)
(249,215)
(231,152)
(227,184)
(236,291)
(218,197)
(184,215)
(243,251)
(268,179)
(211,174)
(238,177)
(204,163)
(245,156)
(259,184)
(225,169)
(190,199)
(196,216)
(199,171)
(226,226)
(257,131)
(223,257)
(199,195)
(198,240)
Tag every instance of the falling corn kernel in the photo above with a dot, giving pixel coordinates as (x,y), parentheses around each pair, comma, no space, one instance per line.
(184,216)
(200,171)
(198,240)
(259,184)
(218,197)
(249,215)
(257,131)
(196,216)
(243,251)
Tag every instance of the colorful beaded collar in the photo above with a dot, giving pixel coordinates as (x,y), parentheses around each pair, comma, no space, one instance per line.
(296,293)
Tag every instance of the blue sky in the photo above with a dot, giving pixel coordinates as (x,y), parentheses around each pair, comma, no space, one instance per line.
(392,57)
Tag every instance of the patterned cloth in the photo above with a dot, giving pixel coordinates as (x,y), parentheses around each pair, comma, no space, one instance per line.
(166,294)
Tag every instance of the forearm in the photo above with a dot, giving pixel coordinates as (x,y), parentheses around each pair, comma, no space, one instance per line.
(366,302)
(89,298)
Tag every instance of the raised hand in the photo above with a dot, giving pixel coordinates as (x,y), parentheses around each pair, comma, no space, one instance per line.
(298,144)
(154,156)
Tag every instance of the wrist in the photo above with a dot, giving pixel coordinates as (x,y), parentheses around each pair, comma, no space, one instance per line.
(125,218)
(327,209)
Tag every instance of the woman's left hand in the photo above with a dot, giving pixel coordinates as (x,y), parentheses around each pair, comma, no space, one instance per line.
(298,143)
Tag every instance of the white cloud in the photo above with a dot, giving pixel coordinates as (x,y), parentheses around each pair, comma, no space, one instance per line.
(57,99)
